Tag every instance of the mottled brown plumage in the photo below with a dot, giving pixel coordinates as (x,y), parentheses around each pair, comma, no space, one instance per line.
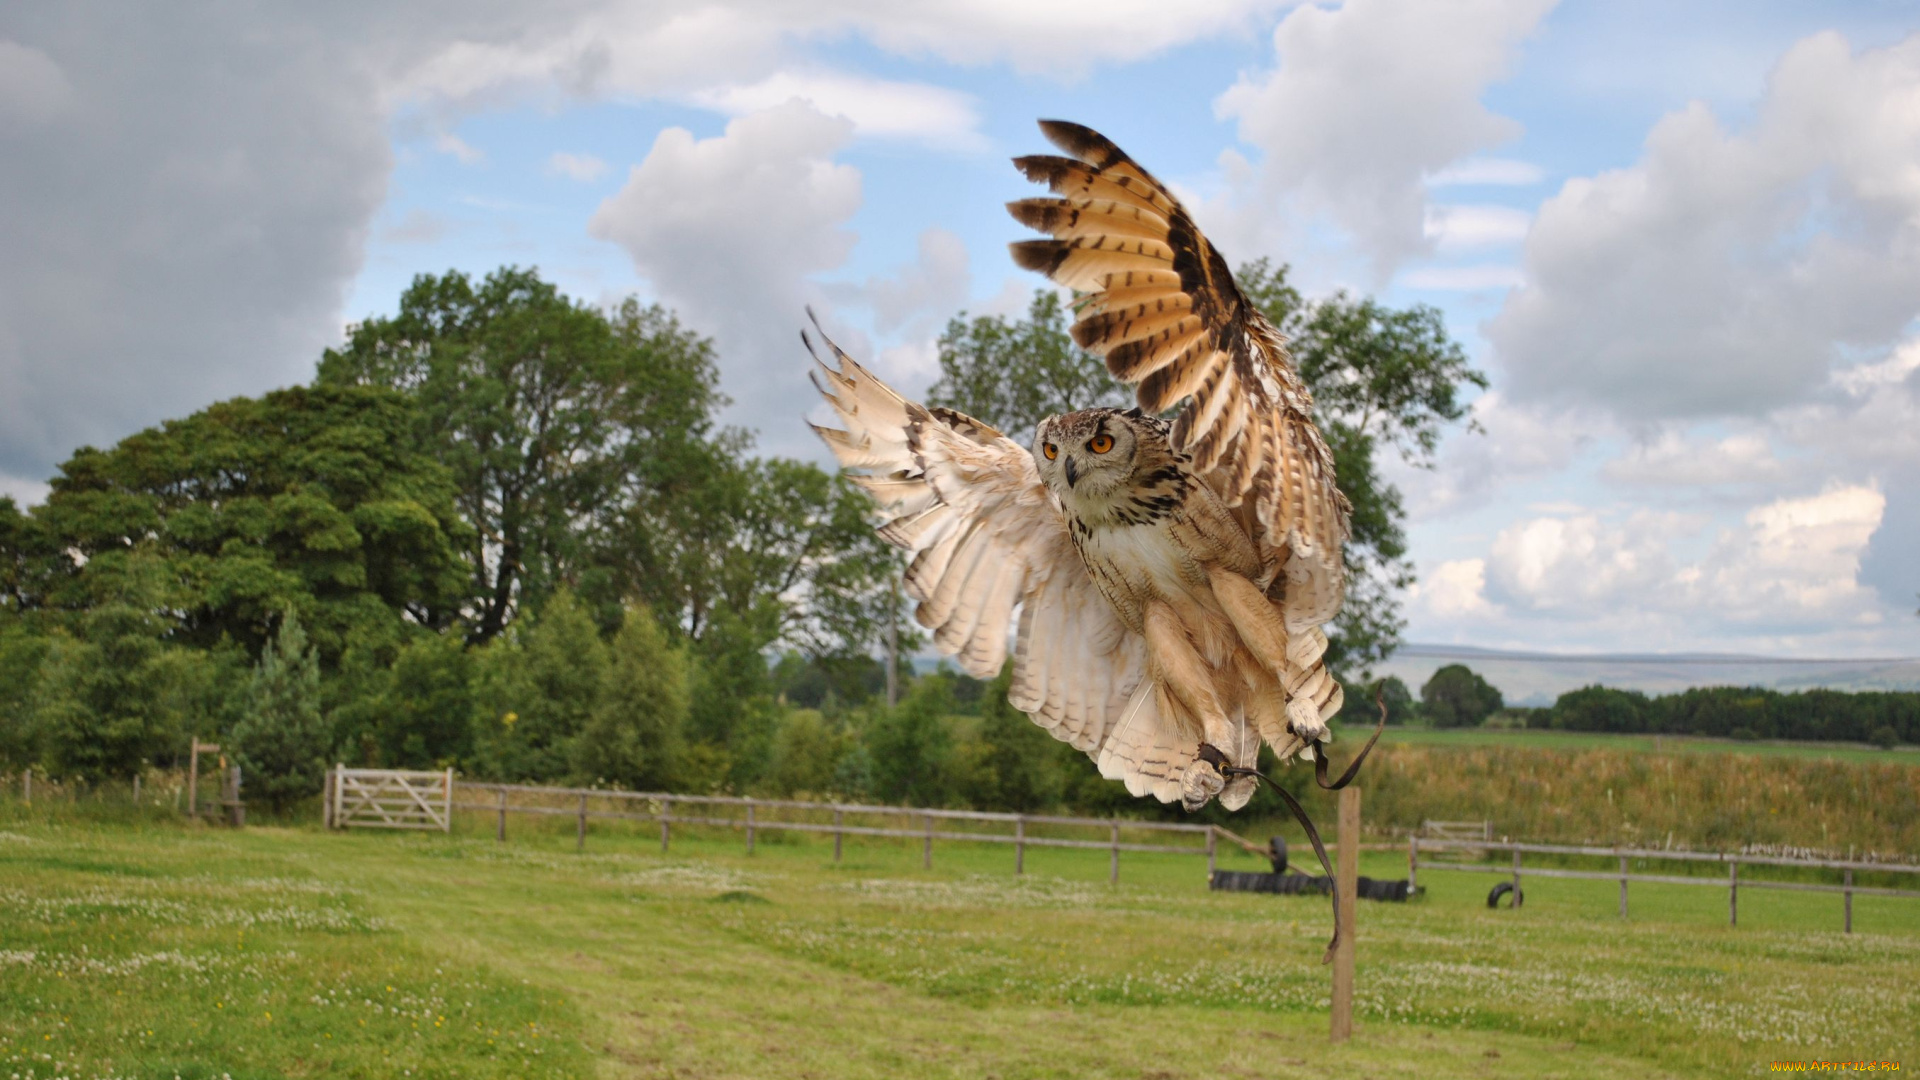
(1171,577)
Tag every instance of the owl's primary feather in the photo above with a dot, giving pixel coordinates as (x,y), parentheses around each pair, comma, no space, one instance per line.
(1171,579)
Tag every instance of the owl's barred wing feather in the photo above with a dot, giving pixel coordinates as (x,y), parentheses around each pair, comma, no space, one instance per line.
(1160,305)
(984,536)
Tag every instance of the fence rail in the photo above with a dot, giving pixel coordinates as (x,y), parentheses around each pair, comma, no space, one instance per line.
(1733,883)
(658,807)
(750,816)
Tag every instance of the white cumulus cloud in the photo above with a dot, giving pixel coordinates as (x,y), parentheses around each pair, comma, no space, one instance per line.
(1726,271)
(1455,226)
(730,232)
(1456,589)
(1489,172)
(1788,567)
(1368,100)
(878,107)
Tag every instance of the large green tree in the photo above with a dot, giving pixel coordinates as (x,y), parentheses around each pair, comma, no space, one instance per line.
(1382,379)
(307,500)
(552,416)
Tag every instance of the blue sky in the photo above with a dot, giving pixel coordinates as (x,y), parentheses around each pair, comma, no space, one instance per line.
(1682,239)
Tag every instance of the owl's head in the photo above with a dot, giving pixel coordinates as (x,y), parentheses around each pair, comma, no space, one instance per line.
(1089,457)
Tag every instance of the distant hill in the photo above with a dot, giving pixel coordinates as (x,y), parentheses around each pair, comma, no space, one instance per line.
(1533,678)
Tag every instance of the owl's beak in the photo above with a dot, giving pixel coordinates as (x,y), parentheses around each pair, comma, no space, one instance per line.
(1073,474)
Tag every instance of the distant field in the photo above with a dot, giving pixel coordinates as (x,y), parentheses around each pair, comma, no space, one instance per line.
(1678,744)
(155,950)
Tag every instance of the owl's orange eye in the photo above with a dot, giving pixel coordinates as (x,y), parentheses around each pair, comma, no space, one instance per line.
(1100,444)
(1050,450)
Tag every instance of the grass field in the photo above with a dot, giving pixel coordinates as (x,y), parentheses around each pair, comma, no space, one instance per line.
(1588,740)
(154,949)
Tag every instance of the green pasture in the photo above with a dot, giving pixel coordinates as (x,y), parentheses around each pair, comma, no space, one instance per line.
(1593,740)
(154,949)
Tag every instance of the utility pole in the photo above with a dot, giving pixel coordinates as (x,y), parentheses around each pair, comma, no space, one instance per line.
(893,641)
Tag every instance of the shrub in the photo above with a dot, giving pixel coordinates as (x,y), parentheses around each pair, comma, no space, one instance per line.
(281,743)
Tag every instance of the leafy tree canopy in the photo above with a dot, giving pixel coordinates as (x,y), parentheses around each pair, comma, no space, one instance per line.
(306,500)
(551,416)
(1458,697)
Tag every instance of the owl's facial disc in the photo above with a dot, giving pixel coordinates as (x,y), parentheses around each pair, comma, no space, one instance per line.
(1085,457)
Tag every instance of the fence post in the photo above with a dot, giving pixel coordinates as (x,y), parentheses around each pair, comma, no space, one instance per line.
(136,789)
(1209,852)
(837,835)
(1349,875)
(339,798)
(500,832)
(1623,886)
(580,836)
(926,847)
(1113,867)
(666,824)
(193,779)
(749,826)
(1020,844)
(1516,875)
(326,800)
(446,803)
(1413,862)
(1849,883)
(1733,894)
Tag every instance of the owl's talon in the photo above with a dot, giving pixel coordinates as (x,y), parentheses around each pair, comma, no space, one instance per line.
(1200,783)
(1304,720)
(1238,792)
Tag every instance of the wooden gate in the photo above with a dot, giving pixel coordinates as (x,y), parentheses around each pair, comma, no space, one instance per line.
(389,798)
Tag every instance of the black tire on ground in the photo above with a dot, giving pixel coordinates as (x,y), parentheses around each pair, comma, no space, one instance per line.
(1502,889)
(1277,854)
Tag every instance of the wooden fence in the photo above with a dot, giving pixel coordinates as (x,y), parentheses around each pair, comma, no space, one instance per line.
(1733,884)
(755,816)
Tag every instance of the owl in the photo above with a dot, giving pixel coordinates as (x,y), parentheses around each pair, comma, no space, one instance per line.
(1164,581)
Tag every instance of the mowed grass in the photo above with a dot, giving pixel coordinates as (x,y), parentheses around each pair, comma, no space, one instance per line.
(154,949)
(1464,738)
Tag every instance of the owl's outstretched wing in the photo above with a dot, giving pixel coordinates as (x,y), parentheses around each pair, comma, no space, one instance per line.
(1160,305)
(984,537)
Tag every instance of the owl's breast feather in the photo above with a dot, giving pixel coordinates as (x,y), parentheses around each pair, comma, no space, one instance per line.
(1135,565)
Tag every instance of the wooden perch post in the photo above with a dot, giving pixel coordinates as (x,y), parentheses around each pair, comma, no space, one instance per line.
(1348,872)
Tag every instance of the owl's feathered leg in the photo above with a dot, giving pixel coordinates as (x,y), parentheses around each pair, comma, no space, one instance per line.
(1188,680)
(1294,660)
(1267,706)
